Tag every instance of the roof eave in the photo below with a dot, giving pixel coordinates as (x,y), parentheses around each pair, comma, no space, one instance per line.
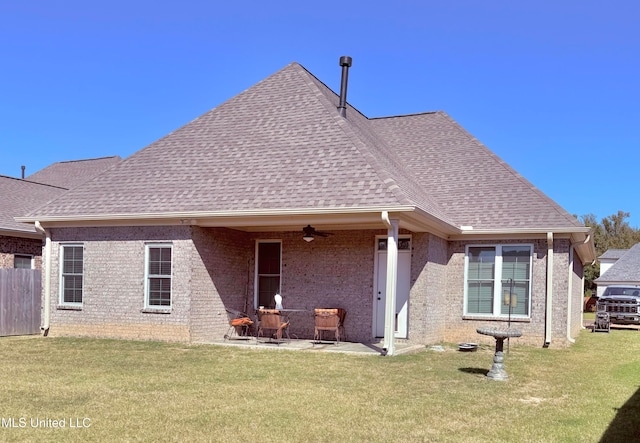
(8,232)
(242,219)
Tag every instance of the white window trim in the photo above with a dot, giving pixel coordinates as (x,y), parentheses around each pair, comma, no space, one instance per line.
(30,256)
(255,273)
(497,284)
(147,305)
(61,277)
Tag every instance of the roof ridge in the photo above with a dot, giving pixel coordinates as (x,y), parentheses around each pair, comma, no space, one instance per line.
(354,133)
(414,114)
(87,159)
(24,180)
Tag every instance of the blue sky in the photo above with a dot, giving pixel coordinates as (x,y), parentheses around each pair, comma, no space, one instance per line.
(552,87)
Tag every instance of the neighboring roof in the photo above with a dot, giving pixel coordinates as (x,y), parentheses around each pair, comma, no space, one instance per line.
(69,174)
(626,269)
(613,254)
(281,146)
(20,196)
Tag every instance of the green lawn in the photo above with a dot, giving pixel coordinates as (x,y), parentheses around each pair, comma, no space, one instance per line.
(146,391)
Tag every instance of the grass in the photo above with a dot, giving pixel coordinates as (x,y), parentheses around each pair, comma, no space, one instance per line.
(148,391)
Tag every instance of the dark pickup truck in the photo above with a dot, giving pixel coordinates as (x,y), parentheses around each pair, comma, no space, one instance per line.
(622,303)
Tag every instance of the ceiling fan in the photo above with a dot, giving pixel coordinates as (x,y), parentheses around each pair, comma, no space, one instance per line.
(310,233)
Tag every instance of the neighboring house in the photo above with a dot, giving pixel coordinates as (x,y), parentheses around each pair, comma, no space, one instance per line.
(21,243)
(619,267)
(424,227)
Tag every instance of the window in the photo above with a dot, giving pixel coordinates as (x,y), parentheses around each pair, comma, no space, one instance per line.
(404,244)
(22,261)
(72,271)
(158,278)
(268,272)
(498,280)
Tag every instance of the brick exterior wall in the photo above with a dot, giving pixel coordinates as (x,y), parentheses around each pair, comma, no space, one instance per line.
(221,260)
(329,272)
(461,329)
(113,299)
(214,269)
(427,319)
(10,246)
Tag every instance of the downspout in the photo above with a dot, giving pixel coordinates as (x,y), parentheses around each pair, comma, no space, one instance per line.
(549,298)
(586,240)
(570,294)
(392,279)
(47,278)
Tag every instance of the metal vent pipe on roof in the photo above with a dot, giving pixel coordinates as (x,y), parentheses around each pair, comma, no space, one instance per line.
(345,62)
(23,168)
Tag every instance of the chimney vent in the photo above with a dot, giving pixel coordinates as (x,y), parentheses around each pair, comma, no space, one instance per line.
(345,62)
(23,168)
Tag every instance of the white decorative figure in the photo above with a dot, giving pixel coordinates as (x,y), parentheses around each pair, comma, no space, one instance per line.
(278,299)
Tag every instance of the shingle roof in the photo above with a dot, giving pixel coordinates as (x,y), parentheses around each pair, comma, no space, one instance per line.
(626,269)
(468,181)
(19,197)
(69,174)
(613,254)
(281,145)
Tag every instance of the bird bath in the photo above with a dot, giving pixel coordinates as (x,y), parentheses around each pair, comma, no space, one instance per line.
(497,371)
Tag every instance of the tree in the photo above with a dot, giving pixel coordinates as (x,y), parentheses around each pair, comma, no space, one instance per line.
(613,232)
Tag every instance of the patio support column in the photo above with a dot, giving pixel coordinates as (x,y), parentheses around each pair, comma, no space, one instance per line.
(392,279)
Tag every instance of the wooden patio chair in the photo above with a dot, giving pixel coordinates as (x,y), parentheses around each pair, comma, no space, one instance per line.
(328,319)
(270,320)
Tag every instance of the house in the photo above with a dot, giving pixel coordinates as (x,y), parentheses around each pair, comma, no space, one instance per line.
(619,267)
(21,243)
(418,230)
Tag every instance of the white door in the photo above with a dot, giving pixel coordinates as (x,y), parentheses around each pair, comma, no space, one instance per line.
(402,291)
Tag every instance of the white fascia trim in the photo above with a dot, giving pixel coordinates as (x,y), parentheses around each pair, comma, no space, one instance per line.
(215,214)
(468,230)
(22,234)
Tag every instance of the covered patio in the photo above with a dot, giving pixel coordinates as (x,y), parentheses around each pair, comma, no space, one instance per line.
(374,348)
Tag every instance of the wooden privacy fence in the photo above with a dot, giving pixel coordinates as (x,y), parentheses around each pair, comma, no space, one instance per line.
(20,292)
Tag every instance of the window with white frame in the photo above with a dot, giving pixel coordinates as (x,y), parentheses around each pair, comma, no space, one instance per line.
(71,274)
(268,272)
(21,261)
(158,275)
(498,280)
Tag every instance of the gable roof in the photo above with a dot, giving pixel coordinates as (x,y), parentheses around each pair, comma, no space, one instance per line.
(625,269)
(20,196)
(281,147)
